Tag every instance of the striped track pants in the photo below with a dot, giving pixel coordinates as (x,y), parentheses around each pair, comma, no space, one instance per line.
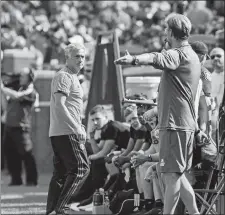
(71,169)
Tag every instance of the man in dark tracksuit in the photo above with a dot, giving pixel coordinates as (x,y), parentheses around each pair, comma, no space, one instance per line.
(67,134)
(17,137)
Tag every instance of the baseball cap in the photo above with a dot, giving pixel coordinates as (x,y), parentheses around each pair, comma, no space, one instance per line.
(200,48)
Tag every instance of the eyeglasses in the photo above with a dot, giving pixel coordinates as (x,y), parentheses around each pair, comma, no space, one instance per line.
(216,55)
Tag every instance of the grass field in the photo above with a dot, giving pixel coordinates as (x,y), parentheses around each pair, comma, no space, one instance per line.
(26,200)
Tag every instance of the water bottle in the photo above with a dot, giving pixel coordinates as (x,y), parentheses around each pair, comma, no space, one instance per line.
(98,207)
(97,198)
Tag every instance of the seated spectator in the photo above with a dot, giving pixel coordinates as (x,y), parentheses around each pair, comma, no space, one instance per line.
(137,137)
(217,57)
(122,159)
(205,154)
(145,162)
(114,135)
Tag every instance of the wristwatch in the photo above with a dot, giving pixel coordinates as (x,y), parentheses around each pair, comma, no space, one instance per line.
(135,61)
(150,158)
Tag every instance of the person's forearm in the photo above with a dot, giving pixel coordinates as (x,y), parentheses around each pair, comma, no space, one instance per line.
(203,114)
(145,59)
(9,92)
(3,102)
(129,148)
(148,151)
(94,146)
(137,146)
(196,126)
(202,122)
(145,146)
(14,94)
(127,151)
(98,155)
(62,109)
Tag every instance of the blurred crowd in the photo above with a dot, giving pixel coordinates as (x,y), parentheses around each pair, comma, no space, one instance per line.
(45,27)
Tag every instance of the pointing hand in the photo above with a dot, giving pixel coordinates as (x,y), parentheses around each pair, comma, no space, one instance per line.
(125,60)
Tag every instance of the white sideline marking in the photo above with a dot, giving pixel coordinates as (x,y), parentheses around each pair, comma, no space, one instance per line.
(36,194)
(11,196)
(18,196)
(4,205)
(23,212)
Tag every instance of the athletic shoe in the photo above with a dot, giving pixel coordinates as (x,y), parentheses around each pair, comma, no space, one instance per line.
(73,206)
(83,208)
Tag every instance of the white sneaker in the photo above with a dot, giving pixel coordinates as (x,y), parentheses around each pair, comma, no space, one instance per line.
(86,207)
(73,206)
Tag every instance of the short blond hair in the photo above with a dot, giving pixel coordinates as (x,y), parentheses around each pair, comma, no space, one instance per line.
(73,47)
(180,25)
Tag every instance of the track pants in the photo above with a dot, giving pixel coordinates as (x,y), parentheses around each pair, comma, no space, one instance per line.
(71,169)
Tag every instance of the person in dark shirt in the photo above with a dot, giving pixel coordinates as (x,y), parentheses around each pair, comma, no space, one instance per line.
(114,135)
(17,132)
(138,134)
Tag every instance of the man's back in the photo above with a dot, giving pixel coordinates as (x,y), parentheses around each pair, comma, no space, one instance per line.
(178,90)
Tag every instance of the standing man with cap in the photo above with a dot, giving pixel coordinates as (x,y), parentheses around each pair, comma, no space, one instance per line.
(177,124)
(217,58)
(66,132)
(17,132)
